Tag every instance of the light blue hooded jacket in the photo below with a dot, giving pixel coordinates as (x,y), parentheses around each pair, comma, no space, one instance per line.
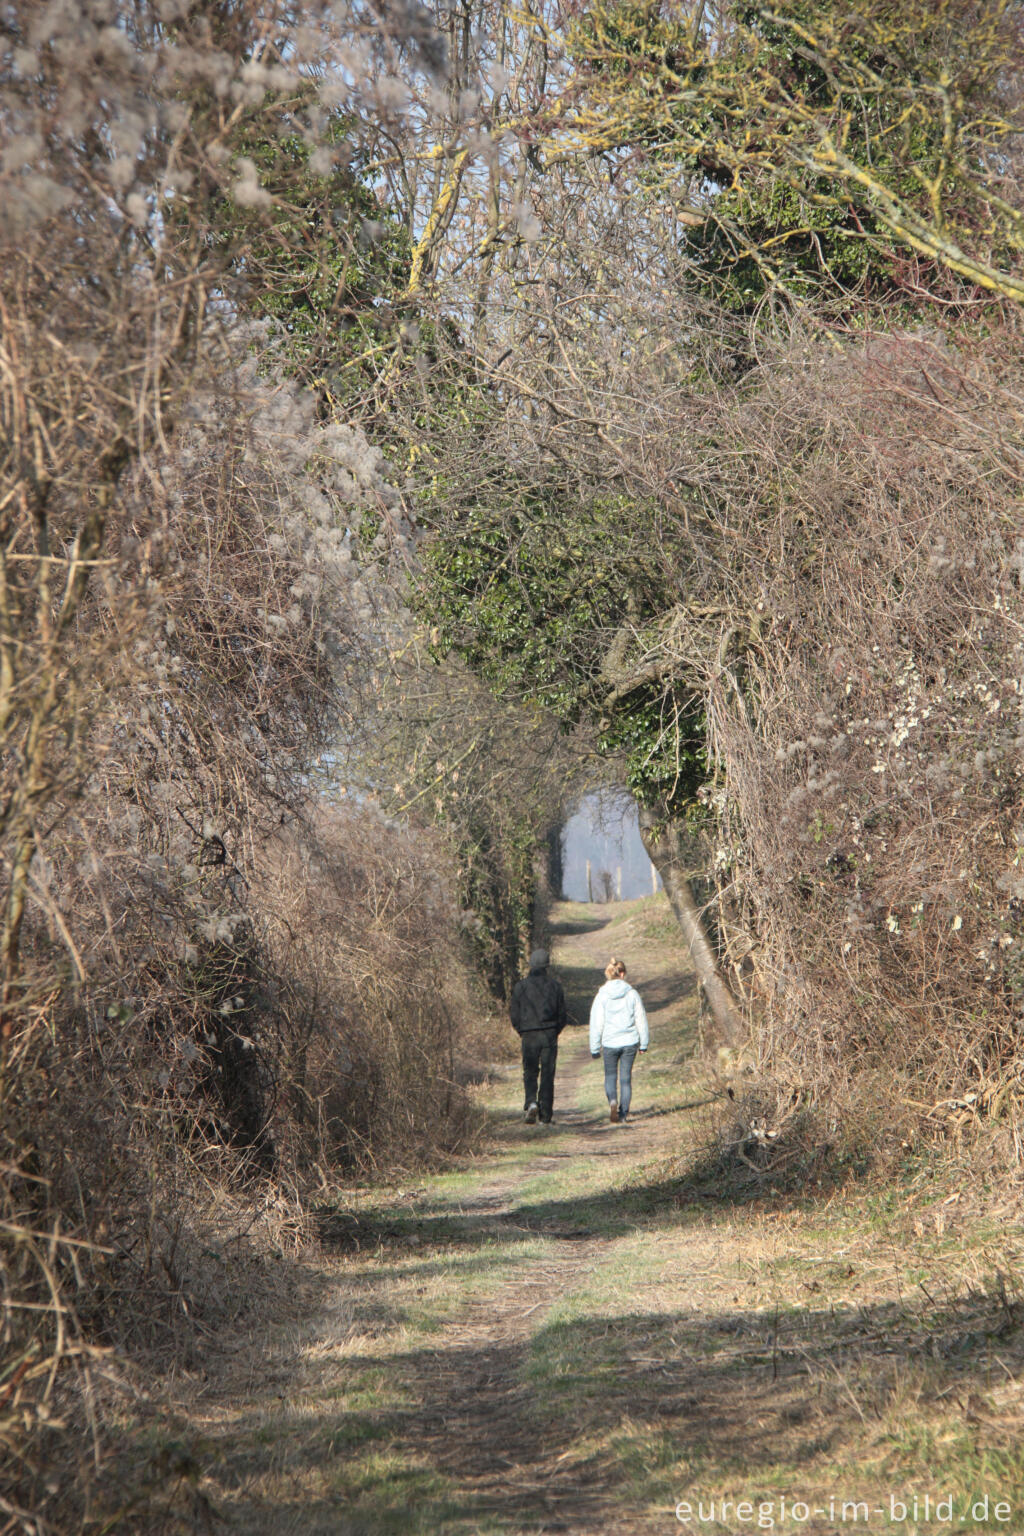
(617,1018)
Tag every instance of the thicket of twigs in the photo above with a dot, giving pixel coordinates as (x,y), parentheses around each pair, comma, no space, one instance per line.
(223,983)
(861,649)
(226,993)
(809,417)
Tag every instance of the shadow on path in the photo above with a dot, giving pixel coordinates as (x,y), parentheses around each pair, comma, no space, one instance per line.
(521,1404)
(505,1421)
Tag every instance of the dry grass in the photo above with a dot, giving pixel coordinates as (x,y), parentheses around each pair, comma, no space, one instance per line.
(565,1331)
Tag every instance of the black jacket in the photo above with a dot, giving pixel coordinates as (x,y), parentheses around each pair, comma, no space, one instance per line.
(537,1002)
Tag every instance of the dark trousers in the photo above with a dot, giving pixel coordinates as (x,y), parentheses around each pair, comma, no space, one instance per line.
(540,1052)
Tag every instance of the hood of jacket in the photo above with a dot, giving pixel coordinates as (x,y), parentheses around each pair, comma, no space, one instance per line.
(616,988)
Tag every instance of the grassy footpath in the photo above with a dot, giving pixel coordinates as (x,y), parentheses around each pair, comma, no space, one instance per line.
(569,1334)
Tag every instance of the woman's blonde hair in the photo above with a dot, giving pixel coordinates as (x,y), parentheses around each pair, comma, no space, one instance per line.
(615,970)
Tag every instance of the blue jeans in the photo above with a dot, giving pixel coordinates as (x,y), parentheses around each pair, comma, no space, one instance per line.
(618,1064)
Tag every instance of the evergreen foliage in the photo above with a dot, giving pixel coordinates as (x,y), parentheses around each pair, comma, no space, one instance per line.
(315,250)
(817,146)
(552,599)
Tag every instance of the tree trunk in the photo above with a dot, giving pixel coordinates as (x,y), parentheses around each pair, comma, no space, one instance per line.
(556,863)
(670,849)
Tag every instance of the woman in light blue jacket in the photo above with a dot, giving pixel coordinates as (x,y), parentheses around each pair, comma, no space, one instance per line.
(618,1029)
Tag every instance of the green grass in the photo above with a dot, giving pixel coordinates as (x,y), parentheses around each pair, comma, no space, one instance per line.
(388,1493)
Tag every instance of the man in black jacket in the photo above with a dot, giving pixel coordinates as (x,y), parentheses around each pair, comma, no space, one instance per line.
(537,1009)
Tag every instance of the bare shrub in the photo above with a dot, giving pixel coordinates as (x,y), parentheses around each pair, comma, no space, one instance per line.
(841,603)
(373,999)
(221,983)
(493,778)
(861,654)
(115,125)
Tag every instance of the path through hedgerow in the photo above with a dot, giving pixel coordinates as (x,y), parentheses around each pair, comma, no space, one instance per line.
(571,1334)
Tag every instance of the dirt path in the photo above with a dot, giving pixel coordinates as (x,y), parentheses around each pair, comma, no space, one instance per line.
(457,1414)
(566,1338)
(478,1422)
